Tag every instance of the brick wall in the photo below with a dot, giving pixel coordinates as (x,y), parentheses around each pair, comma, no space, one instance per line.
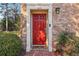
(23,25)
(67,19)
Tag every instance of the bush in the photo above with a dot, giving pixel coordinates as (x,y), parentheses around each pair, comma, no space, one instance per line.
(68,44)
(10,44)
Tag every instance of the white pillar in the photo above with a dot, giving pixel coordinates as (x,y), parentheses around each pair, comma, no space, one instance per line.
(50,28)
(28,39)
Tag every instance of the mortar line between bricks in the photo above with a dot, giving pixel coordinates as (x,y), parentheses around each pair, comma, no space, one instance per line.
(35,53)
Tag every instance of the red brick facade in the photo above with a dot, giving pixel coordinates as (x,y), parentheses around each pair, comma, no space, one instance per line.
(67,19)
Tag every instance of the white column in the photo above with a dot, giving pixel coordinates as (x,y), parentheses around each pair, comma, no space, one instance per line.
(50,28)
(28,39)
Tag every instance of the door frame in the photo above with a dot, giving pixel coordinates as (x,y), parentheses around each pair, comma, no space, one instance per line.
(30,7)
(42,11)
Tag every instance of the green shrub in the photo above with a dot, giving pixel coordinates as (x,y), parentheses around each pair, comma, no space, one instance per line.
(68,44)
(10,44)
(62,39)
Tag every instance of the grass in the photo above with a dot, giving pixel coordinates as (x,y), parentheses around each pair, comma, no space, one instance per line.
(11,32)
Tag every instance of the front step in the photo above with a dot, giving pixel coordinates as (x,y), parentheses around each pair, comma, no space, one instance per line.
(39,48)
(39,53)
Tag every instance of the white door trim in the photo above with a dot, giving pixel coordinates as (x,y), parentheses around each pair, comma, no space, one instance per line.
(28,24)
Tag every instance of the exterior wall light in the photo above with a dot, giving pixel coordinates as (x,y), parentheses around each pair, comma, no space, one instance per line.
(57,10)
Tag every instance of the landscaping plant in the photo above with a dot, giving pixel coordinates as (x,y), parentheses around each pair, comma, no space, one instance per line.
(10,44)
(68,44)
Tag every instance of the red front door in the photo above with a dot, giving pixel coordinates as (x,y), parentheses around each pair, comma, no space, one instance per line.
(39,29)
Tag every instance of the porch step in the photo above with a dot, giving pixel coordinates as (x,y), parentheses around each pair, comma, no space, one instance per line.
(39,48)
(42,53)
(39,53)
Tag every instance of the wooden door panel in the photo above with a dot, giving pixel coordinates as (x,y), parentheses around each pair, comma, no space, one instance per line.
(39,29)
